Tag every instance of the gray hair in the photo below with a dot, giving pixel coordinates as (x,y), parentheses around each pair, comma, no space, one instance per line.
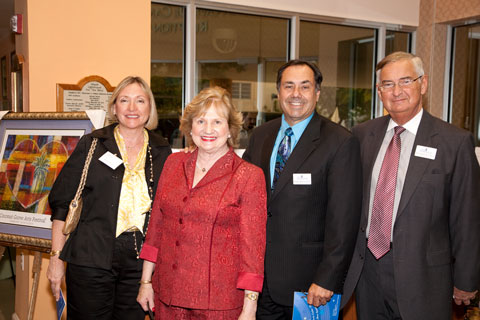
(398,56)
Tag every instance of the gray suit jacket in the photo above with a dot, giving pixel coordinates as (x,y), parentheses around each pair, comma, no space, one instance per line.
(311,229)
(436,235)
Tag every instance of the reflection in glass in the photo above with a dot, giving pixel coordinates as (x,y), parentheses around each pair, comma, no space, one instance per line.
(345,55)
(167,68)
(242,53)
(397,41)
(465,82)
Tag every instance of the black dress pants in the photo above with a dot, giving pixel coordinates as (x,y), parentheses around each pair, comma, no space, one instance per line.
(94,293)
(375,294)
(267,309)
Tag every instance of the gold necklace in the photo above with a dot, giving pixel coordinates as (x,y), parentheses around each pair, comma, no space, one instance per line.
(202,169)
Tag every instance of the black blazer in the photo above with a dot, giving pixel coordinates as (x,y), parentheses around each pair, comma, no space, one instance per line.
(311,229)
(436,237)
(92,243)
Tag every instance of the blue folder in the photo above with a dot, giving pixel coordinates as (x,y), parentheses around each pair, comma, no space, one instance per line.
(303,311)
(60,306)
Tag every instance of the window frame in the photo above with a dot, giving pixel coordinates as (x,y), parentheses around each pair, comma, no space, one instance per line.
(293,37)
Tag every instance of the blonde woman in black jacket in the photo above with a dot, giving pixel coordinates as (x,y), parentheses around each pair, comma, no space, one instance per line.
(103,268)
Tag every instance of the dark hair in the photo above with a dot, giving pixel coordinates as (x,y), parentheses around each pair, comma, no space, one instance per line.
(316,72)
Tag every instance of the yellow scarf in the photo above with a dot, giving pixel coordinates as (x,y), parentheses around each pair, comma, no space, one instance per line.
(134,198)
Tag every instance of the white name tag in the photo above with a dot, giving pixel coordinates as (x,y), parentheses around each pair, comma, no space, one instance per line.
(111,160)
(302,178)
(425,152)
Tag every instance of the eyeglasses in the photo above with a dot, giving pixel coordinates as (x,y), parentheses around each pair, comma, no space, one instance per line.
(402,83)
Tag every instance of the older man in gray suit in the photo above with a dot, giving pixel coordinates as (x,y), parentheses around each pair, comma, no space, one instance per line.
(419,238)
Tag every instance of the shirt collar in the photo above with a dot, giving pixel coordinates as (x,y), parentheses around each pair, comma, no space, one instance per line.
(411,126)
(297,128)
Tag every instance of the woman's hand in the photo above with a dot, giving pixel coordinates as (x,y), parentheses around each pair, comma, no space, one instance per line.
(145,297)
(145,293)
(56,267)
(249,306)
(246,315)
(55,274)
(189,149)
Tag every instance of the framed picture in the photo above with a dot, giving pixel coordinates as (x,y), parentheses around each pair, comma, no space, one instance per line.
(90,93)
(33,149)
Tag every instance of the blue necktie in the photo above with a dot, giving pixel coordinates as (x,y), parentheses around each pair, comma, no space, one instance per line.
(284,150)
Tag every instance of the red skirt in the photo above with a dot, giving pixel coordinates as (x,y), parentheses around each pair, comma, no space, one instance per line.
(166,312)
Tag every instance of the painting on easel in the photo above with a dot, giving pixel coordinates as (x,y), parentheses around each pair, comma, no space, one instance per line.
(33,151)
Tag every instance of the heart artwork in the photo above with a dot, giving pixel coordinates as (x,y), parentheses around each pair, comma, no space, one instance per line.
(31,171)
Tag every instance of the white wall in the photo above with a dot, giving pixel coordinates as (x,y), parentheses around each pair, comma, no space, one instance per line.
(405,12)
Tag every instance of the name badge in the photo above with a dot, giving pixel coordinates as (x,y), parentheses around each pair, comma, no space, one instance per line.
(302,178)
(425,152)
(111,160)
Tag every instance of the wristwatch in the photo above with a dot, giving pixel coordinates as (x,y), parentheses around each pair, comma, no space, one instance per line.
(251,296)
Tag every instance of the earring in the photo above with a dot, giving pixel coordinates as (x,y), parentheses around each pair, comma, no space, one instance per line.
(229,136)
(190,132)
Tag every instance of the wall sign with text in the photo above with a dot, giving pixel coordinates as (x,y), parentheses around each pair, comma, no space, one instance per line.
(90,93)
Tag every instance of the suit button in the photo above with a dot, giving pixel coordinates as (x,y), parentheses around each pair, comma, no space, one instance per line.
(361,256)
(180,221)
(177,243)
(269,214)
(174,266)
(362,229)
(185,199)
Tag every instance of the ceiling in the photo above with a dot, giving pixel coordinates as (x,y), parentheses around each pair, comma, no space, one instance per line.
(6,12)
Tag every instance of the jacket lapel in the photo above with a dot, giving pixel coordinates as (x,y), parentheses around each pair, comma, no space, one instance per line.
(417,165)
(156,142)
(370,148)
(305,146)
(267,150)
(107,137)
(224,166)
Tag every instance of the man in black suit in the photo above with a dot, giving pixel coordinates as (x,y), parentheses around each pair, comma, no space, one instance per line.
(432,224)
(314,201)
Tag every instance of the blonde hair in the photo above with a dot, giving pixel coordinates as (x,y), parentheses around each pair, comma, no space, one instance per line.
(221,99)
(152,121)
(400,55)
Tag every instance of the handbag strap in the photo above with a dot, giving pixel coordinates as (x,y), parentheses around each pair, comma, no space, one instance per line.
(85,169)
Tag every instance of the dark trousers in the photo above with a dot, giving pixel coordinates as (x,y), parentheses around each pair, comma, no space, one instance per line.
(267,309)
(94,293)
(375,294)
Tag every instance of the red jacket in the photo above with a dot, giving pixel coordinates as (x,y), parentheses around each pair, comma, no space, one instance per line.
(208,242)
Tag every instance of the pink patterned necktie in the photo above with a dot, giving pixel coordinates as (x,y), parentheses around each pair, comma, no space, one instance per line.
(382,211)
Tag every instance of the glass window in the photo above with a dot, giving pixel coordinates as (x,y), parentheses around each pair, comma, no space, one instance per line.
(465,81)
(167,68)
(397,41)
(241,53)
(345,55)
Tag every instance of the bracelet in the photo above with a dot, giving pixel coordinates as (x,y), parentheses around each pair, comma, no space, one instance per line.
(145,281)
(55,252)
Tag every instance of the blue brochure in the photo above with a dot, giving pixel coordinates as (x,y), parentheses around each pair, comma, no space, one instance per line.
(303,311)
(60,305)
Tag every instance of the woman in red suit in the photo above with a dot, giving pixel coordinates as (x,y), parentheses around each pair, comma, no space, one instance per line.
(206,239)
